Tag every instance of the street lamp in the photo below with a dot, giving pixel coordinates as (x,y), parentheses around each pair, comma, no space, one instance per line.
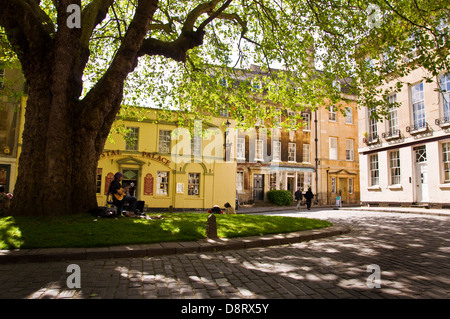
(225,144)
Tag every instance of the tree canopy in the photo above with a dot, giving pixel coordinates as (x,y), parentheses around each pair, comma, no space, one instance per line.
(194,52)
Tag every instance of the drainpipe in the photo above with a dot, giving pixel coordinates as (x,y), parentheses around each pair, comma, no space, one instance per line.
(328,199)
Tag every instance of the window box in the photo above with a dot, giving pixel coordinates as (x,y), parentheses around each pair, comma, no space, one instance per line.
(417,129)
(391,135)
(371,140)
(443,122)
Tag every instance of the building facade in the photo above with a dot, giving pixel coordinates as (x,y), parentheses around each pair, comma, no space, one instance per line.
(405,159)
(322,154)
(11,82)
(171,167)
(338,175)
(275,158)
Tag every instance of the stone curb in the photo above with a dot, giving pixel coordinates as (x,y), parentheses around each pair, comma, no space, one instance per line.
(166,248)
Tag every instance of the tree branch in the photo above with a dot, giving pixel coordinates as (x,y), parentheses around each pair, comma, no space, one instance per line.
(110,87)
(93,14)
(29,29)
(188,39)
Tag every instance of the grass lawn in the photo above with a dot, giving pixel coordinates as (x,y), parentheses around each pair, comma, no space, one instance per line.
(87,231)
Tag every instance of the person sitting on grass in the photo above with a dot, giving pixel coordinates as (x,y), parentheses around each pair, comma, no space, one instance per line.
(229,209)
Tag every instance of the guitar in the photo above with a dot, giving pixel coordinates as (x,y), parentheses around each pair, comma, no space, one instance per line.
(118,196)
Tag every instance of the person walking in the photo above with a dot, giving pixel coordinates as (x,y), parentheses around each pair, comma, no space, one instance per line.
(309,196)
(298,198)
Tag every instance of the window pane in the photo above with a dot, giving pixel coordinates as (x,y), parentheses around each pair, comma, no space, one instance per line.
(132,139)
(417,96)
(291,155)
(445,86)
(446,160)
(373,167)
(164,141)
(395,167)
(333,148)
(194,184)
(162,183)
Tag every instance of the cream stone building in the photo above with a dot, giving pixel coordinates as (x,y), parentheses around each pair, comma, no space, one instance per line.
(405,159)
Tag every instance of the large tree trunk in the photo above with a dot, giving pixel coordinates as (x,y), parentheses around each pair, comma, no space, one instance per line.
(60,152)
(64,135)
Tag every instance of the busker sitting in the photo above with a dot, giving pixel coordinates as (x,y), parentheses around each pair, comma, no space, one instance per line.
(120,197)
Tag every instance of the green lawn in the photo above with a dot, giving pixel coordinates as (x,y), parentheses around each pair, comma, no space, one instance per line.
(87,231)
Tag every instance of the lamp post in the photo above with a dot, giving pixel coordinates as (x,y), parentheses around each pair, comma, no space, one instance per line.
(225,144)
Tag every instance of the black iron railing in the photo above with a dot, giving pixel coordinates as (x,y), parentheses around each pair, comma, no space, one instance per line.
(391,134)
(417,128)
(443,121)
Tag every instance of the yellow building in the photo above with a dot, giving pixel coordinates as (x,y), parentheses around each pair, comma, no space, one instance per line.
(170,169)
(337,152)
(11,124)
(170,166)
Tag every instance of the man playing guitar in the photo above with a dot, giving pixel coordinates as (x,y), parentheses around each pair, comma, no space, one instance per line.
(119,195)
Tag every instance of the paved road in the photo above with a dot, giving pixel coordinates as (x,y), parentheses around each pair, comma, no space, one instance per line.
(412,253)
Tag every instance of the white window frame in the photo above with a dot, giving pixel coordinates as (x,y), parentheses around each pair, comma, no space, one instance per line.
(259,148)
(292,149)
(132,141)
(240,148)
(307,120)
(333,148)
(164,141)
(162,183)
(374,170)
(350,186)
(373,125)
(446,162)
(348,115)
(418,105)
(332,114)
(349,150)
(306,156)
(240,181)
(333,185)
(394,167)
(392,120)
(445,91)
(276,151)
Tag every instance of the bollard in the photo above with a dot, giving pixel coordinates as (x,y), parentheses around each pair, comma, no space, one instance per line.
(170,209)
(211,227)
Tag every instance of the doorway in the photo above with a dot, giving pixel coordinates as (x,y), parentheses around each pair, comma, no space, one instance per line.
(343,189)
(422,183)
(421,176)
(258,187)
(130,177)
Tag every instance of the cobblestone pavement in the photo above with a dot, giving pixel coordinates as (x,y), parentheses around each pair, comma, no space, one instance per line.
(411,251)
